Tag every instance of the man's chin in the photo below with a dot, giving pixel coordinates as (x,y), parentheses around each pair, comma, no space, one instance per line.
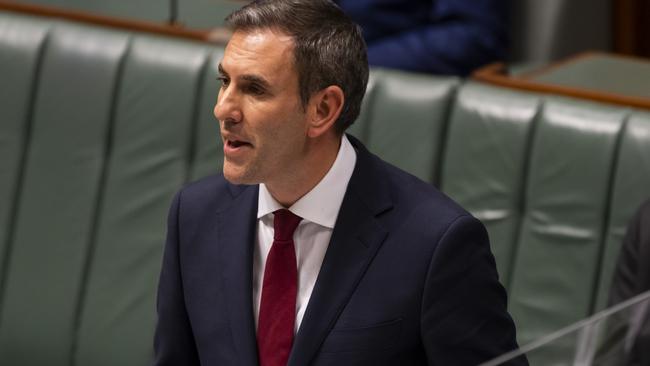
(237,176)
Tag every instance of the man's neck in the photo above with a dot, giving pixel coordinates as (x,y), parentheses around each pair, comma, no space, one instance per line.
(309,172)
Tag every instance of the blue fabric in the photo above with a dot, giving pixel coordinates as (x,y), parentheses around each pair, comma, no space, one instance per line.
(443,37)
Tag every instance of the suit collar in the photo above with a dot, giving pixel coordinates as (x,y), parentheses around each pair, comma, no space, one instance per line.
(237,189)
(368,181)
(356,238)
(236,236)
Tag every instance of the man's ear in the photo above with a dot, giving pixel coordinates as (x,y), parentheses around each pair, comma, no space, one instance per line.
(326,107)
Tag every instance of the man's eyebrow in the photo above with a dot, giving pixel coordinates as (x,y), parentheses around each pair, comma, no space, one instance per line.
(249,78)
(257,80)
(221,70)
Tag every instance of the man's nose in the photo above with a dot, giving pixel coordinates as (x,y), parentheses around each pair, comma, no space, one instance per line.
(228,108)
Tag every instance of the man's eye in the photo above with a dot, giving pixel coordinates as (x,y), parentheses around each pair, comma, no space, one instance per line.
(224,80)
(255,90)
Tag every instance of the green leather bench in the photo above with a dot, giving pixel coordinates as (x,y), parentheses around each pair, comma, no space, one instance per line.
(99,127)
(195,14)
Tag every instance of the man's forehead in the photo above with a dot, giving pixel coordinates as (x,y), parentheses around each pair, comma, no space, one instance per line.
(264,55)
(263,46)
(257,36)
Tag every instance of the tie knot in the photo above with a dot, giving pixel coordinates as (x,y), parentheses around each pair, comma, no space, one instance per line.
(285,223)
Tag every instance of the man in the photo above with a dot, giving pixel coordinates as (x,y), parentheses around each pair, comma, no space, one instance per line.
(309,250)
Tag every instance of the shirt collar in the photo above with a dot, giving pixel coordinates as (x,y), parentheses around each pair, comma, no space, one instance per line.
(320,205)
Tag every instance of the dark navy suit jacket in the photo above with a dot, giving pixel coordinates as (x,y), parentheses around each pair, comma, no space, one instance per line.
(408,279)
(435,36)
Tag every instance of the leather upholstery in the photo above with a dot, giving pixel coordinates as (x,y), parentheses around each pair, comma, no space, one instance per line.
(99,127)
(629,188)
(21,41)
(60,187)
(207,152)
(561,233)
(407,109)
(485,158)
(148,161)
(360,127)
(205,14)
(147,10)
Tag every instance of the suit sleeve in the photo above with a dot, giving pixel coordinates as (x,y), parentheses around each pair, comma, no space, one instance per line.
(461,35)
(464,317)
(173,342)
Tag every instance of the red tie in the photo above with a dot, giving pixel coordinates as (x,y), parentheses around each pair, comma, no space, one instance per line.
(278,305)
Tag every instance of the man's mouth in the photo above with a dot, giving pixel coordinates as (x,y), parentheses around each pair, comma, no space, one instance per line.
(236,148)
(237,143)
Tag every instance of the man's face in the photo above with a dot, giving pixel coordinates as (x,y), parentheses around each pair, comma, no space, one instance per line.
(263,125)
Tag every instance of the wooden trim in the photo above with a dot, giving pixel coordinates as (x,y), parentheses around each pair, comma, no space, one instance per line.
(553,66)
(126,24)
(495,74)
(637,58)
(579,57)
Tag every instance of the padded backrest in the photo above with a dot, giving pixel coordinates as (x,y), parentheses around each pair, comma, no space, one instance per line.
(148,10)
(62,178)
(207,156)
(148,162)
(360,127)
(555,181)
(195,14)
(21,42)
(484,163)
(109,131)
(631,186)
(565,211)
(407,120)
(205,14)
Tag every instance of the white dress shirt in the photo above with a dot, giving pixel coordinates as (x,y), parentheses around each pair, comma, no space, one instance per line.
(319,209)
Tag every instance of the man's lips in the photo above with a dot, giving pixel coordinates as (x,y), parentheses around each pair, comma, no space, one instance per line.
(232,146)
(237,143)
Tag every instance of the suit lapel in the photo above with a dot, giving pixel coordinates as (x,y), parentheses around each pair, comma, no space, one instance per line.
(355,240)
(236,235)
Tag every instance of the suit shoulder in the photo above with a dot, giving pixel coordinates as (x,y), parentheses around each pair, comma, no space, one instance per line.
(205,188)
(212,193)
(427,199)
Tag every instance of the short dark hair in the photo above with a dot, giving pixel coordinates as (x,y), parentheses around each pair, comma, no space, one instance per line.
(328,47)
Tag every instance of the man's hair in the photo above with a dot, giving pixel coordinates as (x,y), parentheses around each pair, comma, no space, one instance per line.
(328,47)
